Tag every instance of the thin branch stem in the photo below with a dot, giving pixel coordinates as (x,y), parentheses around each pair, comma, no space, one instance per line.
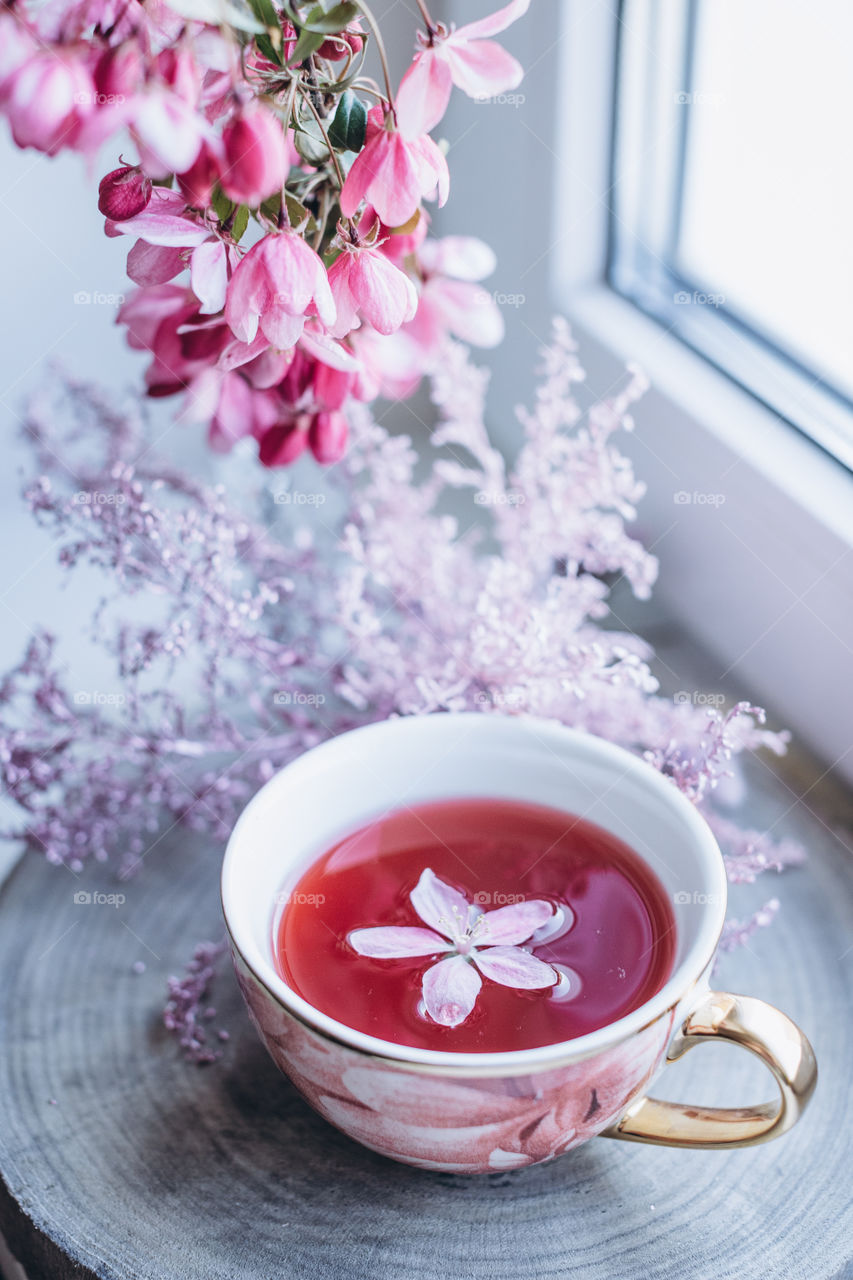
(425,14)
(306,98)
(380,49)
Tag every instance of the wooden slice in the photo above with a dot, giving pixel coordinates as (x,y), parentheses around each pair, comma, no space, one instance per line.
(121,1161)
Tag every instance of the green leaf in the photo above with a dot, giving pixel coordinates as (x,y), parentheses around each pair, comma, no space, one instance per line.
(350,123)
(265,11)
(267,48)
(270,208)
(297,213)
(241,222)
(332,20)
(222,206)
(309,42)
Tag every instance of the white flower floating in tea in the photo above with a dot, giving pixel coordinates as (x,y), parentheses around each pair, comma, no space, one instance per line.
(487,941)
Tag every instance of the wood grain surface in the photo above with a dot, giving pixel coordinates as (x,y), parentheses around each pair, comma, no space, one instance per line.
(122,1162)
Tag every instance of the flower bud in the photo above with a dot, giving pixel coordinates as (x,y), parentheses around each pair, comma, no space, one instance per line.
(333,49)
(327,437)
(281,445)
(198,181)
(123,193)
(255,158)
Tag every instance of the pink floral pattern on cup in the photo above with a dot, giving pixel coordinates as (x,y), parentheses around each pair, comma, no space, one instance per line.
(435,1119)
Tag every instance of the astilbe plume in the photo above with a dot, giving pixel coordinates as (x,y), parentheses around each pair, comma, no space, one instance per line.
(270,625)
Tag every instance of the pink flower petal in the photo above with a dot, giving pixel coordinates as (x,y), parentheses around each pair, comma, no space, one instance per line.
(386,295)
(484,69)
(515,923)
(466,309)
(281,329)
(393,941)
(236,353)
(461,257)
(355,186)
(233,417)
(154,264)
(512,967)
(168,131)
(330,353)
(423,94)
(433,170)
(440,906)
(163,229)
(494,23)
(209,276)
(450,990)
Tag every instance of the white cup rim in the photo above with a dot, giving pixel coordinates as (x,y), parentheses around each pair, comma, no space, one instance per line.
(685,975)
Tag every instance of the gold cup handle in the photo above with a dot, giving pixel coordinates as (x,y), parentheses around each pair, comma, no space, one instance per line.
(765,1032)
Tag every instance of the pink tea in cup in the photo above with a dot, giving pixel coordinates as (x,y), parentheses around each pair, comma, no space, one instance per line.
(477,925)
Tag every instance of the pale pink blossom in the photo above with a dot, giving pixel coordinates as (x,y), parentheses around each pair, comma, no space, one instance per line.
(463,56)
(278,284)
(226,402)
(49,97)
(145,310)
(255,161)
(394,173)
(460,307)
(17,46)
(167,130)
(366,285)
(474,940)
(209,275)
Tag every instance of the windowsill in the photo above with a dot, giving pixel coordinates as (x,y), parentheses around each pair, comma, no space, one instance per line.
(756,563)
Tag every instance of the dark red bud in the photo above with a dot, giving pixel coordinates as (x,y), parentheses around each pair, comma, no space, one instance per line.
(279,446)
(333,49)
(123,193)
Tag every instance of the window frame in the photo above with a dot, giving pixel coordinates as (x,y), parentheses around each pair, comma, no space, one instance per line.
(654,57)
(766,583)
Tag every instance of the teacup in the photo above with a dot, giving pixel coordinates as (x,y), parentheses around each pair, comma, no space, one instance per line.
(481,1112)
